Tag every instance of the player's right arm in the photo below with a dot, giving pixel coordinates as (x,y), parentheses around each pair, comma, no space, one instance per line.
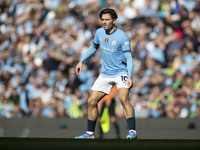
(79,67)
(91,50)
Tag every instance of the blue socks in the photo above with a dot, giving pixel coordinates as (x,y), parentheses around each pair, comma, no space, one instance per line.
(131,123)
(91,125)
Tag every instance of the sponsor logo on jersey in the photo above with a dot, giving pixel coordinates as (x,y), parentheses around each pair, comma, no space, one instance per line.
(107,49)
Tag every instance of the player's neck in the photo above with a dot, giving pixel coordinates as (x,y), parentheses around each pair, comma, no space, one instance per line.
(113,29)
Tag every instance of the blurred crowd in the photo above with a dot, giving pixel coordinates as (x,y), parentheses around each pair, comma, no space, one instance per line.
(41,41)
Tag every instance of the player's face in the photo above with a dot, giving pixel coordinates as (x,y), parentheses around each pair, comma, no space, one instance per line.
(107,21)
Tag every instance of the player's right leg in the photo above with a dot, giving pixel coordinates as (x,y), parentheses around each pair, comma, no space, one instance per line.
(92,115)
(100,88)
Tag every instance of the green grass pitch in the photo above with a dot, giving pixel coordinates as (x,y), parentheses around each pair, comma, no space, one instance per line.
(13,143)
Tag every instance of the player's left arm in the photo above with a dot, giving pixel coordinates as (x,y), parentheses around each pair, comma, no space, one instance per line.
(129,61)
(126,47)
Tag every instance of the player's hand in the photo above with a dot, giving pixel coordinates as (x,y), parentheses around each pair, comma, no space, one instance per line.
(129,82)
(79,68)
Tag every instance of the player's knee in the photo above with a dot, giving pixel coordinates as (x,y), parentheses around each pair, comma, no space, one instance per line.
(123,99)
(91,102)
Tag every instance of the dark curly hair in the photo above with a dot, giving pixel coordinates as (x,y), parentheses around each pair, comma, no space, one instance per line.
(110,11)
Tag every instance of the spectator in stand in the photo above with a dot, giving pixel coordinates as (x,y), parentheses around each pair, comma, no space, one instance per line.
(40,38)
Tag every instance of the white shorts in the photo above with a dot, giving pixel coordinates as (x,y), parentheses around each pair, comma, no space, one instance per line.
(105,84)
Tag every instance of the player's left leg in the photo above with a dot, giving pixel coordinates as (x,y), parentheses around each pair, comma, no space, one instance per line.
(129,112)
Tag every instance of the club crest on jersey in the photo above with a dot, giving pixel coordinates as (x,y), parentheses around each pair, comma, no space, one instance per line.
(106,40)
(113,42)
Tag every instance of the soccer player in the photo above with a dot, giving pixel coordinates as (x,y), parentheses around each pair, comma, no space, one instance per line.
(117,68)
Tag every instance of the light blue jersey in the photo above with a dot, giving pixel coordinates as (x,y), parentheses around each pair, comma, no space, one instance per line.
(116,52)
(113,46)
